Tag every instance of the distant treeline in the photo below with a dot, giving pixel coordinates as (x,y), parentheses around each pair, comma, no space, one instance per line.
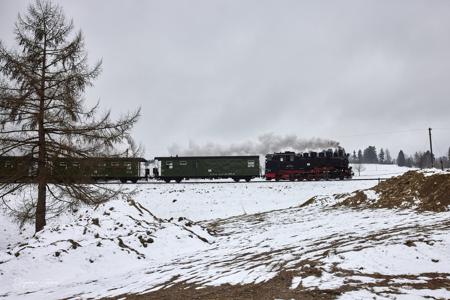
(370,155)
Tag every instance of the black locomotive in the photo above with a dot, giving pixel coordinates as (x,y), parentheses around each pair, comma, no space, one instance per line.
(308,166)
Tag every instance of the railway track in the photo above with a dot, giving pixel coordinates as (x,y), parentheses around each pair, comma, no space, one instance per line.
(243,182)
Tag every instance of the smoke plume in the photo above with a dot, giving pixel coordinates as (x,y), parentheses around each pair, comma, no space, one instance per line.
(266,143)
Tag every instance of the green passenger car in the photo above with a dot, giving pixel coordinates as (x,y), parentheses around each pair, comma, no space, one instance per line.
(208,167)
(98,169)
(15,168)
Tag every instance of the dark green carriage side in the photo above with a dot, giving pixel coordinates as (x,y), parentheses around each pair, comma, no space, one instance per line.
(97,169)
(15,168)
(123,169)
(209,167)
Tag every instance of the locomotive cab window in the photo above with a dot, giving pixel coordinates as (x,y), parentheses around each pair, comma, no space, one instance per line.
(251,164)
(8,164)
(76,165)
(63,165)
(183,163)
(281,158)
(169,164)
(114,164)
(127,165)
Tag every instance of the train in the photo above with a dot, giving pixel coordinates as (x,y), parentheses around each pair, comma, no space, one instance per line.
(291,166)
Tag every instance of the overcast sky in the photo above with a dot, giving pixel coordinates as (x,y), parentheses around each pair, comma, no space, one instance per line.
(359,72)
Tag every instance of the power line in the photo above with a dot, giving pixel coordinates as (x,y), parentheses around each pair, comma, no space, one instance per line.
(382,133)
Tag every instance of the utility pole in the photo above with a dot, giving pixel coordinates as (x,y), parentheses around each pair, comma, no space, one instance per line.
(431,148)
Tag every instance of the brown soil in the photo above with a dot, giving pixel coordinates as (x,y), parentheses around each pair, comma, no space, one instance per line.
(275,288)
(279,288)
(410,190)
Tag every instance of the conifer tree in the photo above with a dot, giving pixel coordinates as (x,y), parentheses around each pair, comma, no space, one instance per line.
(42,111)
(401,160)
(370,155)
(381,156)
(360,157)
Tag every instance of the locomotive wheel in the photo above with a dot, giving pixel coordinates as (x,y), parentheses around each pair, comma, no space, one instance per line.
(134,180)
(178,180)
(167,180)
(247,179)
(236,179)
(123,180)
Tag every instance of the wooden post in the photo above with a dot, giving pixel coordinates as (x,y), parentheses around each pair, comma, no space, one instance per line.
(431,148)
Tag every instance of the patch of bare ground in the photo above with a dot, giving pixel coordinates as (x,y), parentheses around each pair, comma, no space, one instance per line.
(279,287)
(275,288)
(410,190)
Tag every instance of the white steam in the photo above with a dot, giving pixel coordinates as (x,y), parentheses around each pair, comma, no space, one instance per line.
(266,143)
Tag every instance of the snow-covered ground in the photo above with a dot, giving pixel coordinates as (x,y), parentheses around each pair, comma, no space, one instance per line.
(378,171)
(238,233)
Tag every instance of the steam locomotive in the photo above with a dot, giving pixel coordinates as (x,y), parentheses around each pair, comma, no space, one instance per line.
(308,166)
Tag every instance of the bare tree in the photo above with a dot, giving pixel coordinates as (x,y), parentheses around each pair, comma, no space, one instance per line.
(358,167)
(43,114)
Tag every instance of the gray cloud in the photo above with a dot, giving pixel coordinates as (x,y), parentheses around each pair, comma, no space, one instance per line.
(222,71)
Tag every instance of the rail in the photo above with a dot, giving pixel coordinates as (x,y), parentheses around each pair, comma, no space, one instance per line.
(243,182)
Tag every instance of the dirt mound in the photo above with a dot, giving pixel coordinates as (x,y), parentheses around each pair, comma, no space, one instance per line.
(411,190)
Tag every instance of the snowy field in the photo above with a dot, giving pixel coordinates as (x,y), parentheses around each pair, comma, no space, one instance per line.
(210,234)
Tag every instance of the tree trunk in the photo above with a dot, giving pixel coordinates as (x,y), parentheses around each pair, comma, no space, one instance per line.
(42,164)
(41,207)
(42,174)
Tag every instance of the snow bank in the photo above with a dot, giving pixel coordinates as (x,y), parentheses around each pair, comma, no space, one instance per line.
(112,239)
